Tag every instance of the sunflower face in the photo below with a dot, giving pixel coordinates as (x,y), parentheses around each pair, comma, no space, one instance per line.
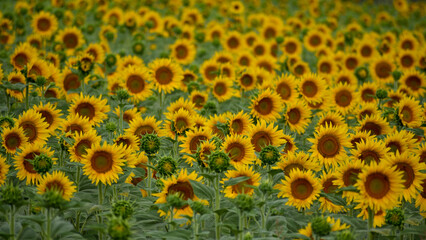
(266,106)
(410,112)
(57,181)
(141,126)
(263,134)
(14,139)
(94,109)
(45,24)
(4,169)
(34,127)
(246,186)
(312,87)
(136,82)
(239,150)
(183,51)
(22,55)
(193,140)
(222,89)
(166,75)
(297,116)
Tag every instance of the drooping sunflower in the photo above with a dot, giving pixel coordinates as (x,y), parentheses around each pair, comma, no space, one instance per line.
(328,186)
(183,51)
(203,152)
(375,124)
(23,165)
(181,185)
(381,69)
(410,112)
(93,108)
(347,175)
(76,124)
(215,120)
(312,87)
(59,182)
(240,123)
(297,116)
(23,54)
(188,77)
(301,188)
(198,98)
(370,150)
(51,115)
(166,74)
(71,38)
(263,134)
(192,141)
(334,119)
(35,129)
(246,186)
(344,98)
(82,142)
(299,160)
(141,126)
(415,81)
(239,149)
(328,145)
(136,82)
(13,139)
(400,141)
(38,67)
(222,88)
(4,169)
(379,186)
(102,163)
(285,86)
(267,106)
(44,24)
(412,172)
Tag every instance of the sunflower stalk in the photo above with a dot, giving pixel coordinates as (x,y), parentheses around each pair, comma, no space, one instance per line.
(12,222)
(370,223)
(240,224)
(27,94)
(217,205)
(100,201)
(149,170)
(195,225)
(49,223)
(171,226)
(176,147)
(121,121)
(78,173)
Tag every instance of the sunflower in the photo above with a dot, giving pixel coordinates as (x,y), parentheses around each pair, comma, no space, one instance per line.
(313,40)
(343,97)
(379,186)
(351,62)
(183,51)
(82,142)
(13,139)
(181,185)
(38,67)
(239,149)
(367,109)
(4,169)
(415,81)
(113,16)
(103,163)
(379,215)
(259,48)
(44,24)
(347,175)
(421,198)
(141,126)
(69,80)
(334,119)
(34,40)
(370,150)
(75,124)
(129,61)
(182,103)
(178,123)
(410,112)
(246,186)
(263,134)
(136,82)
(128,115)
(198,98)
(23,54)
(367,92)
(312,87)
(245,59)
(34,127)
(292,46)
(407,60)
(16,77)
(400,141)
(326,66)
(223,57)
(25,167)
(57,181)
(209,70)
(52,115)
(328,186)
(199,121)
(204,150)
(215,120)
(297,116)
(193,139)
(166,75)
(188,77)
(335,226)
(141,162)
(268,63)
(216,31)
(71,37)
(267,106)
(96,50)
(407,41)
(239,123)
(420,153)
(301,188)
(381,69)
(222,88)
(412,172)
(366,49)
(227,70)
(233,41)
(285,86)
(299,160)
(94,109)
(375,124)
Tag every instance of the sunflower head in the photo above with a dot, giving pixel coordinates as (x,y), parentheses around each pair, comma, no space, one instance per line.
(52,198)
(122,208)
(269,155)
(118,228)
(320,226)
(167,166)
(219,161)
(42,163)
(150,143)
(12,195)
(244,202)
(395,217)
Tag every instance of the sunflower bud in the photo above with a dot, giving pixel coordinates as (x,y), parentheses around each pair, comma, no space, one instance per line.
(248,236)
(122,94)
(40,81)
(198,207)
(266,187)
(279,39)
(138,48)
(345,235)
(244,202)
(175,200)
(52,198)
(219,161)
(167,166)
(150,144)
(200,37)
(217,141)
(111,127)
(118,228)
(193,86)
(111,60)
(395,217)
(42,163)
(361,73)
(11,195)
(320,226)
(90,29)
(269,155)
(85,65)
(209,109)
(6,122)
(149,24)
(177,30)
(216,42)
(122,208)
(396,75)
(138,37)
(381,94)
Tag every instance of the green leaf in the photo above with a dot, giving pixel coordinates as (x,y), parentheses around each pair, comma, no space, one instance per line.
(234,181)
(202,190)
(347,189)
(334,198)
(13,86)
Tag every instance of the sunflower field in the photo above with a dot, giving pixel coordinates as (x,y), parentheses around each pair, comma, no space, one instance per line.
(186,119)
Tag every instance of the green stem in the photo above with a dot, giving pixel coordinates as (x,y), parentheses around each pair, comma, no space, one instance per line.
(7,102)
(61,157)
(161,105)
(149,176)
(120,121)
(12,222)
(195,226)
(100,200)
(176,147)
(77,182)
(240,224)
(83,85)
(27,96)
(77,221)
(370,223)
(217,205)
(171,219)
(49,224)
